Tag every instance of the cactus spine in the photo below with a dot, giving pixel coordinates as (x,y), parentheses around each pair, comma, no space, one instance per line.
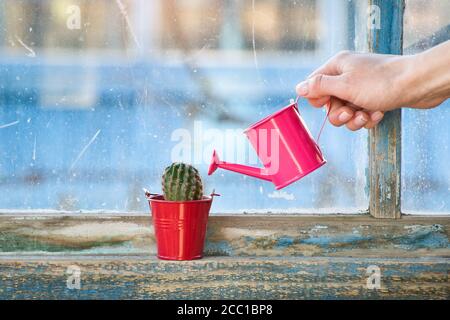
(182,182)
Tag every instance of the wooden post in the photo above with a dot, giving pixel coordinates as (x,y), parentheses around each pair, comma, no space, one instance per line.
(385,35)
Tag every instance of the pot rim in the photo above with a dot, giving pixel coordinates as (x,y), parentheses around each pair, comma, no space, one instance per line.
(154,198)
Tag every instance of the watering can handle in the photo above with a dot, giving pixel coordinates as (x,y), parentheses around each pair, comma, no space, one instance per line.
(324,121)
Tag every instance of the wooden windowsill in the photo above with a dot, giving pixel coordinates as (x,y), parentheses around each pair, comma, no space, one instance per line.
(138,277)
(254,257)
(245,235)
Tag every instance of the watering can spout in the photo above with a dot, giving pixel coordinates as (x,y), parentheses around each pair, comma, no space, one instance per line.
(239,168)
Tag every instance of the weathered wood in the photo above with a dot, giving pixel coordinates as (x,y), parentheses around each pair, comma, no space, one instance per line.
(222,278)
(253,257)
(385,138)
(249,235)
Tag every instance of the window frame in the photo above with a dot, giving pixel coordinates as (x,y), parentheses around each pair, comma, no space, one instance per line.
(384,141)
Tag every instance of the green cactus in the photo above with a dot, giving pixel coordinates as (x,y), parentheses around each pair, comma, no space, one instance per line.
(182,182)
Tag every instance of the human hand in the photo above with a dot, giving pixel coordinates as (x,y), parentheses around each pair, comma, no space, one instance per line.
(358,88)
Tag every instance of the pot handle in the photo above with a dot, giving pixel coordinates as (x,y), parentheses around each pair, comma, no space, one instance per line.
(214,194)
(148,194)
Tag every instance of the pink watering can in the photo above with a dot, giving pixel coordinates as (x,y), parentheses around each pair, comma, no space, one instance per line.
(284,145)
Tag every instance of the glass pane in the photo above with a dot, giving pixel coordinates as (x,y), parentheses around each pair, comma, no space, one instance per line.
(98,97)
(425,134)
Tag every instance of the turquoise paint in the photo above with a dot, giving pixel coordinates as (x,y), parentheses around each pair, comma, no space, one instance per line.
(10,242)
(326,241)
(428,236)
(429,241)
(284,241)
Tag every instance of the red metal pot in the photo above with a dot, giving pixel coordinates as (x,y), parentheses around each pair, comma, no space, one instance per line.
(180,226)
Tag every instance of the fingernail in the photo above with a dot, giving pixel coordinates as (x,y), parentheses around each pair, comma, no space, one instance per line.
(302,88)
(360,120)
(344,116)
(376,116)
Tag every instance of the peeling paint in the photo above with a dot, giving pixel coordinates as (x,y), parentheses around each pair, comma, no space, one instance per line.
(285,241)
(233,233)
(116,277)
(234,236)
(317,228)
(87,231)
(423,236)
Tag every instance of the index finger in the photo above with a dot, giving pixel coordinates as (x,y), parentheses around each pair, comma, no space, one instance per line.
(332,67)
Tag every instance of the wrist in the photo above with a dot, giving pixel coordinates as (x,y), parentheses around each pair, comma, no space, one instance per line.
(426,78)
(409,75)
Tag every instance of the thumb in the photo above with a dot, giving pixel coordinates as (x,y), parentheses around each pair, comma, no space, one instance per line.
(321,85)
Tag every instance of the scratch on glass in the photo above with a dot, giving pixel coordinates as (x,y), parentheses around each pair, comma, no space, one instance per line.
(34,149)
(31,52)
(84,149)
(9,124)
(124,13)
(255,59)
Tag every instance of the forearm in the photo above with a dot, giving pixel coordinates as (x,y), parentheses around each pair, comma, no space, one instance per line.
(428,76)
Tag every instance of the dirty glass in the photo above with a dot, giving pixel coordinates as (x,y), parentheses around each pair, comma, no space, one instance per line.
(426,133)
(98,97)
